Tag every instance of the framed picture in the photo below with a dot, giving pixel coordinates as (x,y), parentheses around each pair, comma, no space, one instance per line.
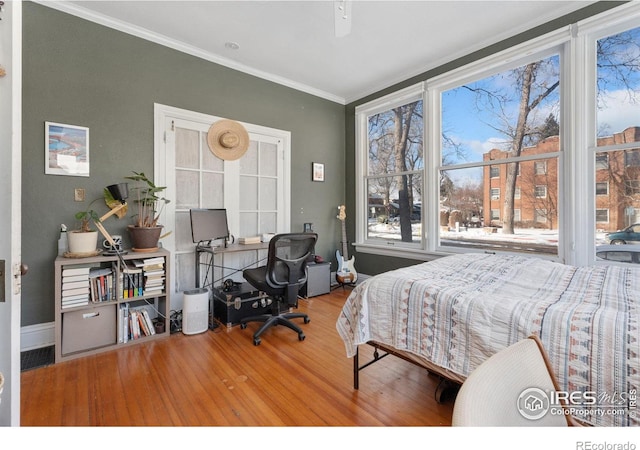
(317,172)
(66,149)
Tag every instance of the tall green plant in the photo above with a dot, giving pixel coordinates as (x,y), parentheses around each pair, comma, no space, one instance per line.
(147,199)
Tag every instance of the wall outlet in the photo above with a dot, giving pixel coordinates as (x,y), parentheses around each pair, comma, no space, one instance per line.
(78,194)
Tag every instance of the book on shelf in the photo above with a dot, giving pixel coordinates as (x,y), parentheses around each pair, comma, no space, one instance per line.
(76,270)
(74,278)
(149,322)
(131,281)
(75,291)
(74,305)
(70,298)
(101,281)
(154,260)
(73,285)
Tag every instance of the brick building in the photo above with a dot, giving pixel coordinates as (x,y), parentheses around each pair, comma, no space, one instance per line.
(536,195)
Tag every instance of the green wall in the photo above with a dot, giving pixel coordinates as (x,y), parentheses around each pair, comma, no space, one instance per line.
(374,264)
(80,73)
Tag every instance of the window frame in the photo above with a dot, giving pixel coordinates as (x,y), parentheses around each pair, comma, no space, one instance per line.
(576,161)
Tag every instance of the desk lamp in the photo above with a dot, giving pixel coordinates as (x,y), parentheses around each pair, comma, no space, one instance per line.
(120,193)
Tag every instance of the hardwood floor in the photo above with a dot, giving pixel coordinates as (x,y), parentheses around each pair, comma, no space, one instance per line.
(219,378)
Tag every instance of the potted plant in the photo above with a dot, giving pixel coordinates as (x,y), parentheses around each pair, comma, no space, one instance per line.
(145,232)
(83,241)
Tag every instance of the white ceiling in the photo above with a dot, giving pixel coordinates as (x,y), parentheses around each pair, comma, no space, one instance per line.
(294,42)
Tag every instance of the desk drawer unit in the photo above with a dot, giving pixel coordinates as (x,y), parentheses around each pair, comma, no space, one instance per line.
(236,304)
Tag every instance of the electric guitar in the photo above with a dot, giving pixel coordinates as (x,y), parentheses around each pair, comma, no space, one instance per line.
(346,273)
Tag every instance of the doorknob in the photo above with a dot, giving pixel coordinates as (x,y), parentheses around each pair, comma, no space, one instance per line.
(23,269)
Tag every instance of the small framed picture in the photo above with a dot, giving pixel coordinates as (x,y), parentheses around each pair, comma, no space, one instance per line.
(66,150)
(317,171)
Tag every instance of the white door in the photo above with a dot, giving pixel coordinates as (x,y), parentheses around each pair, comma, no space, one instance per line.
(10,175)
(253,189)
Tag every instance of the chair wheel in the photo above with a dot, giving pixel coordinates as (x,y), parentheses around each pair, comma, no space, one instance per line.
(307,320)
(301,336)
(257,341)
(243,326)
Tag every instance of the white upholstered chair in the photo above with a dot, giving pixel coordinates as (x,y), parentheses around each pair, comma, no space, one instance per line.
(511,389)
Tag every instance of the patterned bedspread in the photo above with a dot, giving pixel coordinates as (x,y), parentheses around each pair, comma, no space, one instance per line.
(459,310)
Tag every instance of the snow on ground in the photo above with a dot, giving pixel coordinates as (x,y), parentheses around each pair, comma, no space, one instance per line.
(531,235)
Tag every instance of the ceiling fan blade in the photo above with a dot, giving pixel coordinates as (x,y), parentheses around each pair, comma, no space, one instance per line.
(342,16)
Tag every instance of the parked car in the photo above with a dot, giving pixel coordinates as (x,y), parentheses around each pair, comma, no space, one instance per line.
(631,234)
(618,253)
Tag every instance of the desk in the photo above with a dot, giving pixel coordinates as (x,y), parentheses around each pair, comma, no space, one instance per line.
(208,254)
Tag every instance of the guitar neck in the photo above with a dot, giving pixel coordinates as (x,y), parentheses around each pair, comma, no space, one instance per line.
(344,241)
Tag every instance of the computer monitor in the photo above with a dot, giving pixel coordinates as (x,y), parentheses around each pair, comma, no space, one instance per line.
(208,225)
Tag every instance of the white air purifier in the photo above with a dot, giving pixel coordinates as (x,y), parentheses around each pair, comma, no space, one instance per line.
(195,311)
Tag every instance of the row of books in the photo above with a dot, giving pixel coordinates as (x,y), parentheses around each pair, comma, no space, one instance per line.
(134,323)
(82,285)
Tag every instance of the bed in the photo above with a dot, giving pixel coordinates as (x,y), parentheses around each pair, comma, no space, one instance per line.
(451,314)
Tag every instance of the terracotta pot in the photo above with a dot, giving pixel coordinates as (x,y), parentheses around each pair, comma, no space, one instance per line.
(144,238)
(82,242)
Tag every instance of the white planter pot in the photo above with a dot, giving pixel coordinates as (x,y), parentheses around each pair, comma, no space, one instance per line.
(82,242)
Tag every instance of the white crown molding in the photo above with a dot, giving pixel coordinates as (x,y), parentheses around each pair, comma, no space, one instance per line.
(151,36)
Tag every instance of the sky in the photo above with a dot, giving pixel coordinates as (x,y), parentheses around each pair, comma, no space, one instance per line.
(467,126)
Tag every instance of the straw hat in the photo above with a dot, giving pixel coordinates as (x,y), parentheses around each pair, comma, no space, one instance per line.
(228,140)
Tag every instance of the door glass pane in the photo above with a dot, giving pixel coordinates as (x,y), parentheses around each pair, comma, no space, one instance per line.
(249,161)
(268,193)
(209,160)
(187,148)
(187,189)
(268,159)
(182,230)
(249,193)
(268,222)
(248,224)
(212,190)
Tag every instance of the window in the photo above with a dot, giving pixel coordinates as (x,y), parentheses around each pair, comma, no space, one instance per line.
(520,147)
(540,167)
(602,188)
(602,161)
(394,172)
(541,216)
(541,192)
(602,215)
(616,131)
(489,158)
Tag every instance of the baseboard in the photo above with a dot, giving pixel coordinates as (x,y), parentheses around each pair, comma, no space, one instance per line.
(37,336)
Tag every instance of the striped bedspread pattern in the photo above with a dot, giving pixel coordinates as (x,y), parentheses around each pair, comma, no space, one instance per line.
(458,310)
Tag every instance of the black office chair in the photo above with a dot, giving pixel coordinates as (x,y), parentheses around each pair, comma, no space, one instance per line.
(281,279)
